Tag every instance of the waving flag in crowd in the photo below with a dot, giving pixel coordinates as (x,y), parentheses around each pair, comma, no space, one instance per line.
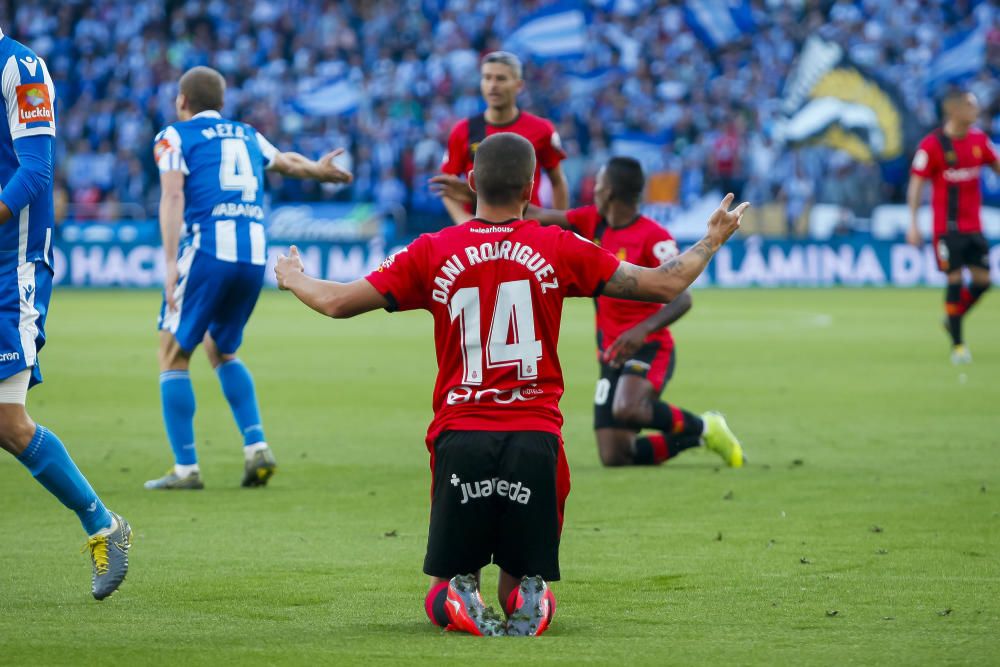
(557,31)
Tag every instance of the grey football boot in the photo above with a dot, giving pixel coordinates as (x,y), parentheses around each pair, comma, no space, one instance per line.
(109,557)
(172,481)
(533,609)
(259,468)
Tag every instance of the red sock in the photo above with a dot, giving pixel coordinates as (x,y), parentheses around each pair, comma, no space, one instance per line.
(965,301)
(434,605)
(512,602)
(651,449)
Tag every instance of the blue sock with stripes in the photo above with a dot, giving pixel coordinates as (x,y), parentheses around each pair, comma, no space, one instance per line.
(177,397)
(237,385)
(50,464)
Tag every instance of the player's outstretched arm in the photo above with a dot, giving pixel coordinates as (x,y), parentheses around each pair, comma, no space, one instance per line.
(296,165)
(171,221)
(455,193)
(337,300)
(547,216)
(670,279)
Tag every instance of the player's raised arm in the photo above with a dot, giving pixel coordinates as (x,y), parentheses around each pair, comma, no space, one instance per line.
(670,279)
(296,165)
(337,300)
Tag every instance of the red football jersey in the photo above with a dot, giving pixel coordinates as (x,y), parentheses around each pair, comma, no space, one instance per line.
(957,193)
(496,292)
(540,132)
(644,242)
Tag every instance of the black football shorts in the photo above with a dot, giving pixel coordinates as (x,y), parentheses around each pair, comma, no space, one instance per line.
(497,497)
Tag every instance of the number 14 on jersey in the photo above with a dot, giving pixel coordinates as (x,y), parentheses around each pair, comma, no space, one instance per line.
(513,319)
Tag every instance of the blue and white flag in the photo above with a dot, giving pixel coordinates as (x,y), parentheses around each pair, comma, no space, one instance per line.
(557,31)
(334,98)
(719,22)
(962,56)
(585,84)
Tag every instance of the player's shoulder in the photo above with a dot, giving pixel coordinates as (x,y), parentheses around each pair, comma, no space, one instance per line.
(461,127)
(531,120)
(651,227)
(978,136)
(931,141)
(11,48)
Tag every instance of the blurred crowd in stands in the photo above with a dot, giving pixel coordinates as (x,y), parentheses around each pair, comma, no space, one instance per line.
(413,66)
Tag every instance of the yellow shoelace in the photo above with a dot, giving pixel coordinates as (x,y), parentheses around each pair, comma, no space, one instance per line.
(98,546)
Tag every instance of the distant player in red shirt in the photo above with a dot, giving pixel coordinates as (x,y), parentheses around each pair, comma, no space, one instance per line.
(634,346)
(500,83)
(951,157)
(495,288)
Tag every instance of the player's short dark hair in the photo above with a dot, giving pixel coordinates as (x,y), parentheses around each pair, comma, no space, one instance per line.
(503,167)
(204,88)
(953,94)
(626,179)
(505,58)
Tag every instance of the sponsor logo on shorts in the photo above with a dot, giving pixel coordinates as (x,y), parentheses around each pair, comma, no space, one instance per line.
(463,395)
(515,491)
(9,356)
(34,104)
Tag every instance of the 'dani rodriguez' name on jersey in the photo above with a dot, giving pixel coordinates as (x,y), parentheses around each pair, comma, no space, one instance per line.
(514,251)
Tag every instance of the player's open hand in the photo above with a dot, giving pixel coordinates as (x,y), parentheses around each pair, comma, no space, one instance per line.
(452,187)
(288,266)
(723,223)
(914,237)
(624,347)
(331,172)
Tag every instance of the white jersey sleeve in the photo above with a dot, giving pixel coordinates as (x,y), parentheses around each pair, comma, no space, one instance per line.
(29,94)
(268,150)
(167,151)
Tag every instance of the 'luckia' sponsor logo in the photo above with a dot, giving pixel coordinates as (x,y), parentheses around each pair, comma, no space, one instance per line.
(33,103)
(485,488)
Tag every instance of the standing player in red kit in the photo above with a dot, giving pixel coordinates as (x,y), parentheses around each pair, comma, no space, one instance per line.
(634,346)
(495,287)
(951,157)
(500,83)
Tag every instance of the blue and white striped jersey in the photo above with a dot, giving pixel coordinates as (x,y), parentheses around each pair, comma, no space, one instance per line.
(27,99)
(223,162)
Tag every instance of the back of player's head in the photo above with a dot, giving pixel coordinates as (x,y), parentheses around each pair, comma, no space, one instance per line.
(626,179)
(504,58)
(203,88)
(503,168)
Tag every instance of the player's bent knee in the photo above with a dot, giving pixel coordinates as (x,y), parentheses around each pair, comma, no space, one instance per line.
(615,454)
(629,413)
(172,355)
(16,428)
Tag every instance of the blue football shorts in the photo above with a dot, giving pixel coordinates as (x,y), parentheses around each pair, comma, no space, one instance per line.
(212,296)
(25,292)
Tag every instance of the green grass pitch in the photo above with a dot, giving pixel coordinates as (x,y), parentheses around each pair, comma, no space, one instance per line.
(865,529)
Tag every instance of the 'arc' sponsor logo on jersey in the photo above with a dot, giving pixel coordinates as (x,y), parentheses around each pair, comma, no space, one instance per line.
(9,356)
(34,104)
(463,394)
(485,488)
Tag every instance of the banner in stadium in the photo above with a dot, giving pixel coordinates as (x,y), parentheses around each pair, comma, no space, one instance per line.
(752,262)
(832,100)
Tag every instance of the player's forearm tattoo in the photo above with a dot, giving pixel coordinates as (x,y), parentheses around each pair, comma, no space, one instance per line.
(676,265)
(623,283)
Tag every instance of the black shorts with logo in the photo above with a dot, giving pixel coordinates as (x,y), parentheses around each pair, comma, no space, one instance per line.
(497,497)
(650,361)
(955,250)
